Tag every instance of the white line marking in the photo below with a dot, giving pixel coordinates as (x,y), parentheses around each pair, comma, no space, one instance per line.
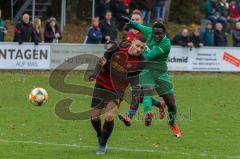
(113,148)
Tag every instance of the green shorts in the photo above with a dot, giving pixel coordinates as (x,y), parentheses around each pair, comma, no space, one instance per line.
(158,81)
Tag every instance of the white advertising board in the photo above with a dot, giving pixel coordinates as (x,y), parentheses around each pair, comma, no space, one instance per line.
(25,56)
(50,56)
(211,59)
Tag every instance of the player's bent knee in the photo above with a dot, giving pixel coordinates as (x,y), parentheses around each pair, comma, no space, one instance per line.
(95,118)
(109,117)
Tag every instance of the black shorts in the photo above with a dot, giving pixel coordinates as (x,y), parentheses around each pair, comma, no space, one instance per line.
(102,96)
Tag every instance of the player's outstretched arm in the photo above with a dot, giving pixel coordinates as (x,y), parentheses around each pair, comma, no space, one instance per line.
(145,30)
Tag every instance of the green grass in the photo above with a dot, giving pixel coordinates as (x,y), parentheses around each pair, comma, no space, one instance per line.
(208,114)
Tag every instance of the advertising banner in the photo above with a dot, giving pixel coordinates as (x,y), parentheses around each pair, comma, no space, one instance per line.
(210,59)
(25,56)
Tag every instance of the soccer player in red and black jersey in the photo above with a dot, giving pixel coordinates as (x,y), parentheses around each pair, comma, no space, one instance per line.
(111,83)
(136,99)
(132,33)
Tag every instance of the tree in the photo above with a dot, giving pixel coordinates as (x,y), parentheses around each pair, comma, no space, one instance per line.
(185,12)
(84,9)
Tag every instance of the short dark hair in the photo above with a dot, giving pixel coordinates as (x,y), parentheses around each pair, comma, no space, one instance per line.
(141,38)
(108,11)
(159,24)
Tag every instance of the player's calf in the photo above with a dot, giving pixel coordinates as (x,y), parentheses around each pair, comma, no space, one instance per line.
(162,110)
(125,119)
(148,119)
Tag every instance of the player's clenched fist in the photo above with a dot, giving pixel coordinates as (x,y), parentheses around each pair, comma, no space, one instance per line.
(102,61)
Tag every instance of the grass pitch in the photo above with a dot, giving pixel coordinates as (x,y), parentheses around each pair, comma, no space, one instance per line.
(208,114)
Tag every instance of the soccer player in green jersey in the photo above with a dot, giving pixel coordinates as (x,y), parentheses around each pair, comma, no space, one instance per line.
(155,73)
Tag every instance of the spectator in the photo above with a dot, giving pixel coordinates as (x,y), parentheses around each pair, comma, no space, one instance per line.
(220,38)
(131,34)
(127,2)
(182,39)
(3,28)
(37,27)
(236,35)
(108,28)
(159,9)
(223,8)
(210,10)
(208,35)
(196,39)
(52,33)
(212,13)
(146,6)
(24,31)
(94,35)
(119,9)
(234,13)
(102,7)
(238,4)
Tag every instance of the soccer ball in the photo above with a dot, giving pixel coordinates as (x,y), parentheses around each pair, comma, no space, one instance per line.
(38,96)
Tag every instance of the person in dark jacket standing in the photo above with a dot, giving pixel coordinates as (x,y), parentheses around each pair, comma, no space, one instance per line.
(195,38)
(24,31)
(182,39)
(236,35)
(220,38)
(52,33)
(108,28)
(94,35)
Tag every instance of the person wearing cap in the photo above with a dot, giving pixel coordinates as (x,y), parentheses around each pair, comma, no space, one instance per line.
(52,33)
(155,73)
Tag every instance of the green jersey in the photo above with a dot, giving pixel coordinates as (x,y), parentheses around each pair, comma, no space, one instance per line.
(157,52)
(155,72)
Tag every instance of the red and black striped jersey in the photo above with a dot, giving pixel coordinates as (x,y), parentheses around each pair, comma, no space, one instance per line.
(114,75)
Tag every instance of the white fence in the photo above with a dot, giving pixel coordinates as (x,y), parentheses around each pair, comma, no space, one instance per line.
(49,56)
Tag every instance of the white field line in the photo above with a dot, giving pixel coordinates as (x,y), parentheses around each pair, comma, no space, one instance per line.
(114,148)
